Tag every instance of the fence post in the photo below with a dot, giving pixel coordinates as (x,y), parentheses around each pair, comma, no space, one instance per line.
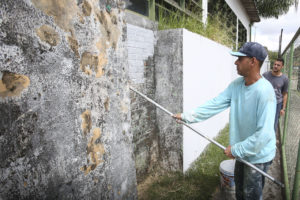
(295,194)
(286,181)
(284,69)
(280,41)
(289,93)
(152,10)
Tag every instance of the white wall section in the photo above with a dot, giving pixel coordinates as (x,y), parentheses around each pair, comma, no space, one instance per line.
(208,68)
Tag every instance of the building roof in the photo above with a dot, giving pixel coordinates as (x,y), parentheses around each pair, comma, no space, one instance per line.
(251,10)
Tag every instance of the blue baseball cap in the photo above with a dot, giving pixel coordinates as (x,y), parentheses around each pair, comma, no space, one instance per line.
(251,49)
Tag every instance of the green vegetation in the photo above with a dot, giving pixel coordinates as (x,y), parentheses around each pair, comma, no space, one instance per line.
(199,182)
(214,29)
(271,8)
(273,55)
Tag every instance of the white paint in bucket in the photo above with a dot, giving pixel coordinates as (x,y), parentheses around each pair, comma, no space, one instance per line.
(227,179)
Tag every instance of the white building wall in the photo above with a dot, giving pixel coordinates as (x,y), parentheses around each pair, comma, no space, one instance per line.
(241,13)
(208,68)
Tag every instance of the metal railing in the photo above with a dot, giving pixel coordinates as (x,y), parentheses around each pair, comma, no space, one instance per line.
(181,6)
(290,124)
(232,27)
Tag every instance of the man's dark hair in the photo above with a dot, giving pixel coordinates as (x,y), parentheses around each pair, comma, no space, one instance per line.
(280,60)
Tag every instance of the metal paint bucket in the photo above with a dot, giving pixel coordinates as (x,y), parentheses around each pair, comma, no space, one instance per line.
(227,179)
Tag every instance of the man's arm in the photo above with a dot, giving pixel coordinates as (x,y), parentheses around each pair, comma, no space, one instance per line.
(282,111)
(208,109)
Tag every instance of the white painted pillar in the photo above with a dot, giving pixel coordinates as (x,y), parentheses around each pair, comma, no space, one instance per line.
(237,34)
(204,11)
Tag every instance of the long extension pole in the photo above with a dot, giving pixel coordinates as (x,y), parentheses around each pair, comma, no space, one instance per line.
(211,140)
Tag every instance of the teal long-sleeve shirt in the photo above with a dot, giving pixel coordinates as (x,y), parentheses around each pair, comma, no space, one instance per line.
(252,115)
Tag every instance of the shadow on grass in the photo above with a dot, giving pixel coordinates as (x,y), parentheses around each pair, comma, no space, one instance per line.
(199,182)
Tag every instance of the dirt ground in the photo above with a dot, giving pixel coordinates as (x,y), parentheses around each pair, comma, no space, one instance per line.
(272,191)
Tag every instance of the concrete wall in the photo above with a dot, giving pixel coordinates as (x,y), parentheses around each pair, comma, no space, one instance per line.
(64,101)
(168,93)
(141,39)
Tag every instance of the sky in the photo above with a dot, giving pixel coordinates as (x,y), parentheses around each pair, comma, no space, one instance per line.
(267,31)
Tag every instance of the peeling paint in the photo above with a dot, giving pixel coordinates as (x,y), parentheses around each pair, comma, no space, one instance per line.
(110,35)
(62,12)
(73,45)
(102,61)
(12,84)
(110,30)
(95,151)
(48,34)
(124,107)
(89,64)
(86,8)
(86,124)
(106,104)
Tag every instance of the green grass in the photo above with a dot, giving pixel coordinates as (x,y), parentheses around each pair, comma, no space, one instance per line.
(214,29)
(199,182)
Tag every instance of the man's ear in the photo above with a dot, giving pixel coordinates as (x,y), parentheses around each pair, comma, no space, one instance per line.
(255,61)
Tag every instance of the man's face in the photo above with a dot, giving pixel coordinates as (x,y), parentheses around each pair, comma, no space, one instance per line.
(278,65)
(243,65)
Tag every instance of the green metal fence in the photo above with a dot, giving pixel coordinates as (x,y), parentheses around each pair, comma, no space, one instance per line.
(290,123)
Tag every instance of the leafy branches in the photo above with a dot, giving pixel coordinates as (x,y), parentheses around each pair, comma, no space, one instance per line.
(274,8)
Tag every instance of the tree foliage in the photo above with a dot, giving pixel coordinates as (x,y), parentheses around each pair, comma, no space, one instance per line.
(274,8)
(273,55)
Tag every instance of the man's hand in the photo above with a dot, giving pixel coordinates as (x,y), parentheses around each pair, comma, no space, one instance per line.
(227,152)
(282,112)
(177,117)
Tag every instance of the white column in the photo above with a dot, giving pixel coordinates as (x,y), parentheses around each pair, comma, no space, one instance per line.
(204,11)
(237,34)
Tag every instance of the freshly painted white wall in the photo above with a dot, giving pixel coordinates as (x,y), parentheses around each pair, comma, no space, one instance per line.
(208,68)
(204,11)
(266,66)
(239,10)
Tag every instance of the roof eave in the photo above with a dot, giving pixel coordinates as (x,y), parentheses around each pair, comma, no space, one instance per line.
(251,10)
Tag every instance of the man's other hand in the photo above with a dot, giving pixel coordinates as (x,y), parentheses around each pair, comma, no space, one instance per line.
(282,112)
(227,152)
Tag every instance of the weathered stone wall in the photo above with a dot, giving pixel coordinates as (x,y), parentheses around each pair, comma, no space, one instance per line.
(155,58)
(64,101)
(169,94)
(141,39)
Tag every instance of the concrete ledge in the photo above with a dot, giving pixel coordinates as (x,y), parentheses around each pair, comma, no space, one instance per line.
(140,20)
